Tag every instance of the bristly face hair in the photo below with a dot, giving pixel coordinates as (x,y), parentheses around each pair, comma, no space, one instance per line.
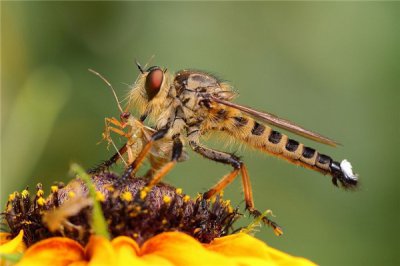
(68,212)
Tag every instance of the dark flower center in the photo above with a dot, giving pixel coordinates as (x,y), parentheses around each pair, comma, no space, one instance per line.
(129,208)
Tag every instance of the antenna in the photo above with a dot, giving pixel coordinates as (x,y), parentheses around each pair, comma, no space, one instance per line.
(109,85)
(139,66)
(145,66)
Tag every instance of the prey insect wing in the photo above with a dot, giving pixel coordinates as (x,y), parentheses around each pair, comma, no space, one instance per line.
(279,122)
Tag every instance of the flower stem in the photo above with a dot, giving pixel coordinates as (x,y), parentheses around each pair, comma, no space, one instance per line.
(99,224)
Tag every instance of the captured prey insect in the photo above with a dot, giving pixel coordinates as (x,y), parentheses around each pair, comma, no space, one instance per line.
(189,104)
(137,136)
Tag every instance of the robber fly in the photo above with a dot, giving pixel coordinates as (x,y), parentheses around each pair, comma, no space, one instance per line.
(189,104)
(137,136)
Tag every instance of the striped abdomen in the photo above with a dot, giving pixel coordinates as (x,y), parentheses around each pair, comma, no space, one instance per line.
(264,138)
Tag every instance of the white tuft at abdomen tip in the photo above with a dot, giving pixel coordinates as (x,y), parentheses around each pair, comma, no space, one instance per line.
(347,170)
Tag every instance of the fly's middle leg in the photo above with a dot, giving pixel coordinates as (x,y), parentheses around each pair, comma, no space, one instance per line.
(220,157)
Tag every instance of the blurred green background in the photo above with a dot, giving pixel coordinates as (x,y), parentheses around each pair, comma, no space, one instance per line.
(331,67)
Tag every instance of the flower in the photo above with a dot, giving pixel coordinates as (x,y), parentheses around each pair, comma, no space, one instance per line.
(169,248)
(68,212)
(107,220)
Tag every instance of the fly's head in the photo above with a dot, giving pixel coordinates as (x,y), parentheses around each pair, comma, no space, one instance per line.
(151,91)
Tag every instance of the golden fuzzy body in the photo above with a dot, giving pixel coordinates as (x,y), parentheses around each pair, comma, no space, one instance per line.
(184,104)
(242,127)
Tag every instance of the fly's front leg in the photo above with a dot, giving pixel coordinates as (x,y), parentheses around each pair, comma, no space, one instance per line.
(134,166)
(238,166)
(176,123)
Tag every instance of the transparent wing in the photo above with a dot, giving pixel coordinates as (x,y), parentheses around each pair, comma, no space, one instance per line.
(279,122)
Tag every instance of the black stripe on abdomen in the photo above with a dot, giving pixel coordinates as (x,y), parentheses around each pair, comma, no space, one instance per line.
(240,121)
(292,145)
(324,159)
(308,152)
(275,137)
(258,129)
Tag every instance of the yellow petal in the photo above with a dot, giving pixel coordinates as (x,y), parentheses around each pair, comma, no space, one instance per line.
(12,246)
(99,251)
(79,263)
(55,251)
(251,261)
(286,259)
(127,249)
(166,249)
(181,249)
(125,242)
(242,245)
(154,260)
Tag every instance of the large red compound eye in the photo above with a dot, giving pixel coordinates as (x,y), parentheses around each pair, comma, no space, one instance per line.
(153,81)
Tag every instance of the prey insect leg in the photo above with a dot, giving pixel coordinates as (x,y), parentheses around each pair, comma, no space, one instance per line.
(105,165)
(132,168)
(237,165)
(109,128)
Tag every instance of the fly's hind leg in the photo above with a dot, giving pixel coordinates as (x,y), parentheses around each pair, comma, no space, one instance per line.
(238,166)
(248,196)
